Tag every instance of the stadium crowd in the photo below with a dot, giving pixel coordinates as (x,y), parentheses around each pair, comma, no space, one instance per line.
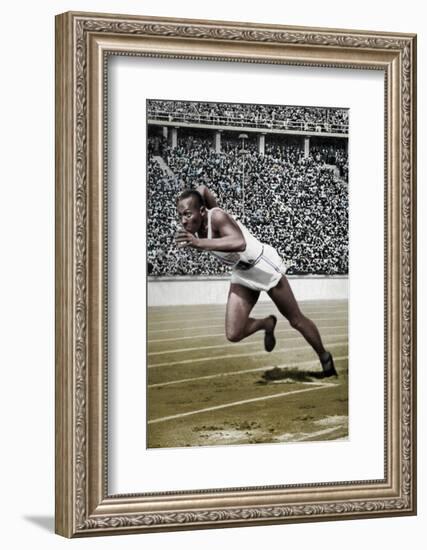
(296,204)
(318,119)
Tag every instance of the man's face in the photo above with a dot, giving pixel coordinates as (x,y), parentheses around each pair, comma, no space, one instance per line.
(190,214)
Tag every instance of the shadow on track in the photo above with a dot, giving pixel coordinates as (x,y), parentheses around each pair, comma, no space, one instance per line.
(290,375)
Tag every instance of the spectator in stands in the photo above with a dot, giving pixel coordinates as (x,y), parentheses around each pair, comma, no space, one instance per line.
(239,114)
(308,195)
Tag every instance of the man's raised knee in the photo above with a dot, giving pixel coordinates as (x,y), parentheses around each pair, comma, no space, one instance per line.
(234,335)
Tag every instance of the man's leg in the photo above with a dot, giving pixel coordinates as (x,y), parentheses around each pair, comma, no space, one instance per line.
(286,303)
(238,324)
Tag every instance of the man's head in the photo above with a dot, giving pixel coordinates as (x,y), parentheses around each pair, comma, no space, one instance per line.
(191,210)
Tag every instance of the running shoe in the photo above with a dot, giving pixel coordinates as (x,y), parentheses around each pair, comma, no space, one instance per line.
(269,338)
(329,367)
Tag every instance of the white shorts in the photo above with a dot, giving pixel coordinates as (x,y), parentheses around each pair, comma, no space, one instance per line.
(265,274)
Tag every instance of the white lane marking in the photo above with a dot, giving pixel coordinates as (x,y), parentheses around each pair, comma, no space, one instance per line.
(244,402)
(191,327)
(164,317)
(313,434)
(215,334)
(235,356)
(304,304)
(237,372)
(183,328)
(230,345)
(221,316)
(318,304)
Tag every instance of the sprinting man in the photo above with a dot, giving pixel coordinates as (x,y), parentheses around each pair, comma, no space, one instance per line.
(255,267)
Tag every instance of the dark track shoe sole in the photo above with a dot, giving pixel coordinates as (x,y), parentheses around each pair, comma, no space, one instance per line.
(329,367)
(269,338)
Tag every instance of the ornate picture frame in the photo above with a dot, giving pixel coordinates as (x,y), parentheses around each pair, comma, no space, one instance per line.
(84,43)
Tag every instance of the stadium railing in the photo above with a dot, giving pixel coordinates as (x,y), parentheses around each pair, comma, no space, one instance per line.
(304,126)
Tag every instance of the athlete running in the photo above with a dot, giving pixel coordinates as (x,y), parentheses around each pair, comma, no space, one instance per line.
(255,267)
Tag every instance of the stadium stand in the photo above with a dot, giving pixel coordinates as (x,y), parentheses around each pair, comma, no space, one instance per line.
(259,116)
(295,201)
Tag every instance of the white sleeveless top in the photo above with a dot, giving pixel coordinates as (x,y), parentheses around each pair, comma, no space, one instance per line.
(249,256)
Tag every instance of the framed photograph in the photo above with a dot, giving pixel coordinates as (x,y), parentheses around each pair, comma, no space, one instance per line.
(235,274)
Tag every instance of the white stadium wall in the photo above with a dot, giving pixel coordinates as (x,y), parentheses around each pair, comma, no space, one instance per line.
(175,291)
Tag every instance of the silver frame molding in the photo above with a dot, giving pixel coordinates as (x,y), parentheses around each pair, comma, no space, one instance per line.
(83,43)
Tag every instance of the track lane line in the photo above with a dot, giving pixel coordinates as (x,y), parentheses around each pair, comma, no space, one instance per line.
(237,372)
(217,334)
(315,434)
(191,327)
(221,316)
(235,356)
(164,317)
(243,402)
(227,345)
(316,304)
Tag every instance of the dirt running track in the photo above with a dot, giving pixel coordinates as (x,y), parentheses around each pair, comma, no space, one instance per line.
(204,390)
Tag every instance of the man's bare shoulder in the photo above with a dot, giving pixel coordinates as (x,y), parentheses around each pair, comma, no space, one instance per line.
(219,216)
(223,223)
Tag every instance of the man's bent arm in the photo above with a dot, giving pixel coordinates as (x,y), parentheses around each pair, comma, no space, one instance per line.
(231,238)
(208,197)
(222,244)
